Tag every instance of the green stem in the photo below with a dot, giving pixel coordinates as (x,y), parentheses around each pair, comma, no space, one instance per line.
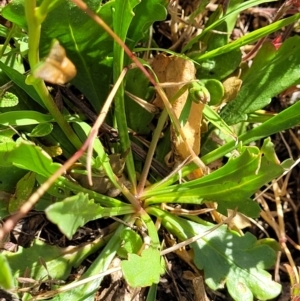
(46,6)
(44,94)
(156,135)
(120,114)
(170,222)
(152,231)
(34,33)
(8,38)
(123,133)
(103,200)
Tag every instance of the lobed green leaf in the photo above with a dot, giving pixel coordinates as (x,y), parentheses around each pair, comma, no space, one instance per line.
(27,156)
(75,211)
(239,262)
(144,270)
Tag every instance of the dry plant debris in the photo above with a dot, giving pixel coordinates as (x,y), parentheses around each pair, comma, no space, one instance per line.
(176,72)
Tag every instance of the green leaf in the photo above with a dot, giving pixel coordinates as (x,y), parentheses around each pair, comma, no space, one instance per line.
(137,117)
(72,213)
(82,129)
(144,270)
(59,260)
(58,264)
(18,118)
(231,186)
(218,122)
(268,150)
(6,277)
(57,189)
(231,21)
(275,245)
(87,45)
(145,14)
(15,13)
(216,90)
(132,243)
(41,130)
(239,262)
(24,189)
(219,67)
(151,296)
(185,113)
(265,80)
(75,211)
(123,12)
(211,39)
(64,187)
(280,122)
(12,58)
(123,16)
(9,176)
(19,79)
(262,59)
(3,31)
(8,100)
(100,264)
(28,156)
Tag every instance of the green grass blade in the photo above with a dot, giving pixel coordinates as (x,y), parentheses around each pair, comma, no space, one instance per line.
(284,120)
(247,39)
(240,8)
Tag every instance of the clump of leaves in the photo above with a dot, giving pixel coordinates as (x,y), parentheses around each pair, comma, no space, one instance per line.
(46,131)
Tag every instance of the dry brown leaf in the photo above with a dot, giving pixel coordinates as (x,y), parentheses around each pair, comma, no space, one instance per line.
(232,86)
(177,70)
(57,68)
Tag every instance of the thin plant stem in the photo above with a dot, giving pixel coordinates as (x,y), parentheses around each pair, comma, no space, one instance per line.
(120,116)
(34,33)
(74,284)
(156,134)
(9,36)
(93,134)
